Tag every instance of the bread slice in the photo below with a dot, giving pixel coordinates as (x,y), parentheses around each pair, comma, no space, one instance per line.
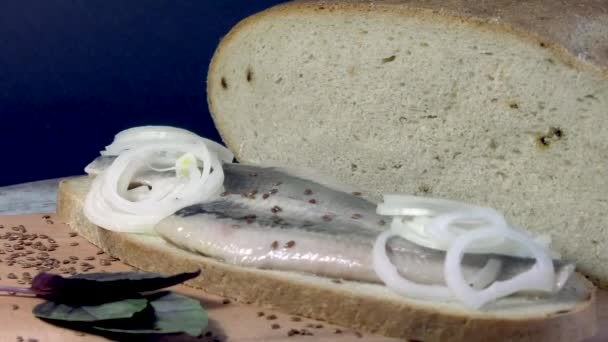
(498,103)
(366,307)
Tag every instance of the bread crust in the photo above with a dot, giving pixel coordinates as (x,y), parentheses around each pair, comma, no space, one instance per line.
(327,301)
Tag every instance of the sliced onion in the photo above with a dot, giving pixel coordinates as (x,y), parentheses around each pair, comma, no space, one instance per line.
(100,212)
(111,205)
(541,277)
(404,205)
(387,272)
(144,135)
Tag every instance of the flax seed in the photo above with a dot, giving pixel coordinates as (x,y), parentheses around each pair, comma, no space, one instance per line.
(73,234)
(74,244)
(275,326)
(290,244)
(271,317)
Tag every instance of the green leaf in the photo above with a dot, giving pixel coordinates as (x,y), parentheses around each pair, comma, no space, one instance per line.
(96,288)
(122,309)
(173,313)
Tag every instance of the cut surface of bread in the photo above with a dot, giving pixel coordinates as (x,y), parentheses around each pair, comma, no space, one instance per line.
(366,307)
(497,103)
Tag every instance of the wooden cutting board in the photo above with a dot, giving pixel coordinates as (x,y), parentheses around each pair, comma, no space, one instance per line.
(52,247)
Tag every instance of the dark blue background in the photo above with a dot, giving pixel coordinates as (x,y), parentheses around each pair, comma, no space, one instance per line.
(74,73)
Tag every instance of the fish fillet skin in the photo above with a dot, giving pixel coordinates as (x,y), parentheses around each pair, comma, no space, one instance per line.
(270,219)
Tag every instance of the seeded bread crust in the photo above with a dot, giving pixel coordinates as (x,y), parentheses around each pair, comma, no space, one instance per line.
(364,307)
(538,155)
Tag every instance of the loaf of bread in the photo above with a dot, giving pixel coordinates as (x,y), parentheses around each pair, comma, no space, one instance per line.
(499,103)
(571,316)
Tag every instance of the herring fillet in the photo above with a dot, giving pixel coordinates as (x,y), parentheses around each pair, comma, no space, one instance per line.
(268,218)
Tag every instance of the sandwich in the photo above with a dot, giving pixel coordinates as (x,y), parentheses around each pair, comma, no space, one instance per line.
(165,200)
(396,162)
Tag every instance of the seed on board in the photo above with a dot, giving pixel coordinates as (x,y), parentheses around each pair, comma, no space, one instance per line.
(49,221)
(312,201)
(105,262)
(356,193)
(260,313)
(319,326)
(307,192)
(89,258)
(100,252)
(273,191)
(11,276)
(305,332)
(224,194)
(74,244)
(275,326)
(327,218)
(265,196)
(20,339)
(52,241)
(15,307)
(271,317)
(73,234)
(295,319)
(274,244)
(337,331)
(226,301)
(336,281)
(382,222)
(21,282)
(358,334)
(356,216)
(276,209)
(290,244)
(43,236)
(292,332)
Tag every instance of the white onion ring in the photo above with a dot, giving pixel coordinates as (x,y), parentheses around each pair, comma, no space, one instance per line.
(388,273)
(541,277)
(404,205)
(143,135)
(110,205)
